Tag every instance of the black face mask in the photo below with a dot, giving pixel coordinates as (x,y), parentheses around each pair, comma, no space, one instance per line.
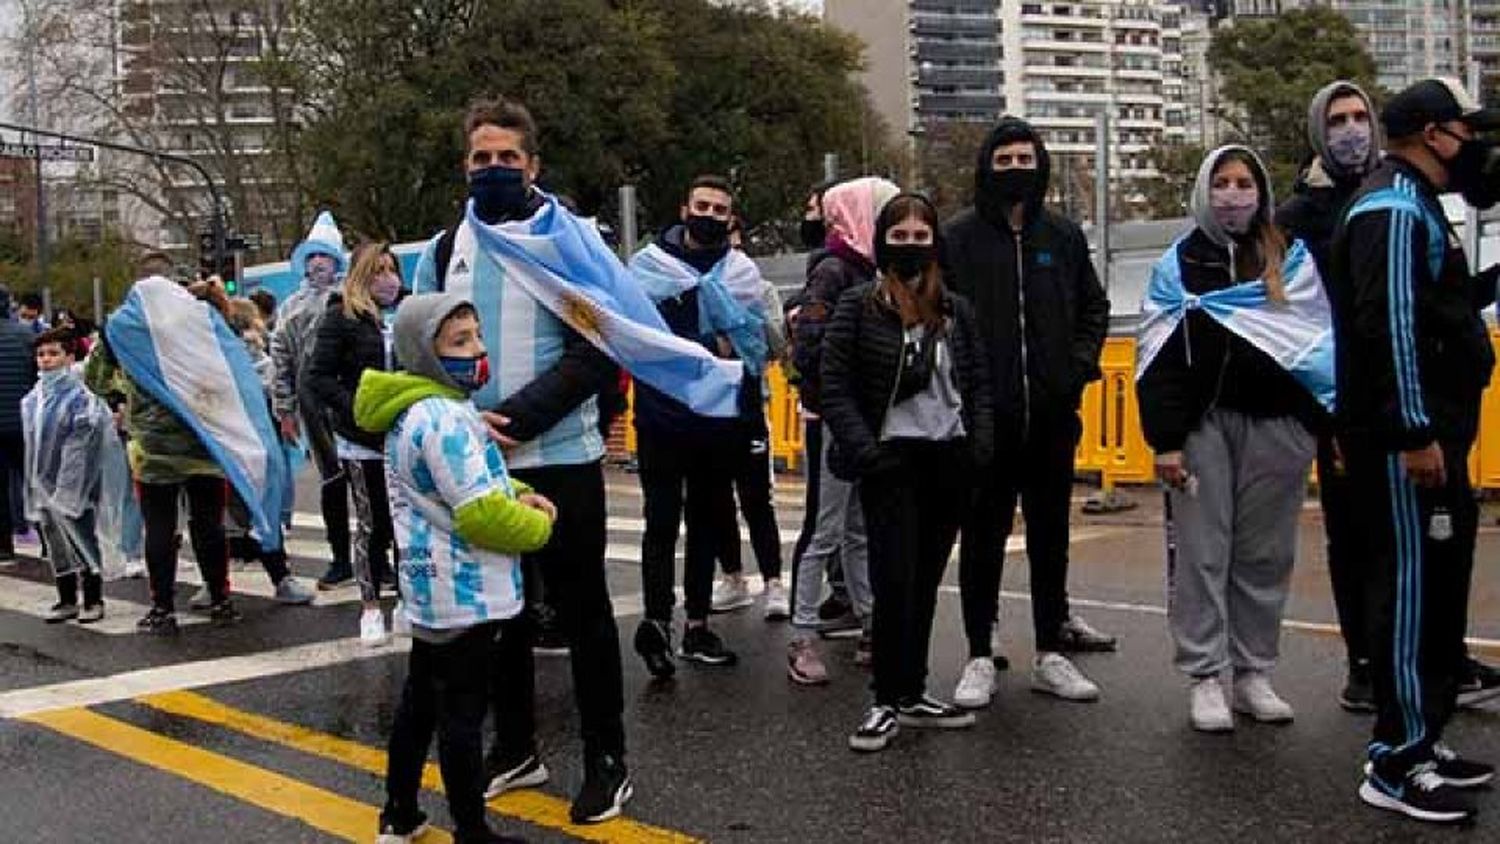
(1012,185)
(814,234)
(707,232)
(499,193)
(905,261)
(1475,171)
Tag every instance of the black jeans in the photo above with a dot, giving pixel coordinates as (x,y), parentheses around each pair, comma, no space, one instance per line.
(446,693)
(573,565)
(206,496)
(12,462)
(1416,595)
(912,516)
(752,485)
(1040,475)
(705,470)
(1345,528)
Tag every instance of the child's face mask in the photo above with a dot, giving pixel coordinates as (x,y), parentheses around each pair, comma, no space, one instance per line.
(468,373)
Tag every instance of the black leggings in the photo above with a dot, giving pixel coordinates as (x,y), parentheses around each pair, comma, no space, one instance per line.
(206,495)
(752,484)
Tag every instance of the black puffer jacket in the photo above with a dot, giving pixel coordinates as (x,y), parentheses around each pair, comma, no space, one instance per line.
(1204,365)
(862,351)
(344,348)
(833,274)
(1039,279)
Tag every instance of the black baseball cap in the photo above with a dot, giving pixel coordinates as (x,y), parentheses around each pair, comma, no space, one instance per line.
(1435,101)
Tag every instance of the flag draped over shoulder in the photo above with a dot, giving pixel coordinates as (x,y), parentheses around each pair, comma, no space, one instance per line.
(564,264)
(180,351)
(1298,335)
(729,297)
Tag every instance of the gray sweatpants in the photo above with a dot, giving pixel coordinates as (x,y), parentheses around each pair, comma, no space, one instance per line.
(840,530)
(1235,537)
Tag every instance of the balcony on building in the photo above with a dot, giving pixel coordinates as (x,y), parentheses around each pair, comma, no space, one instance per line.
(1075,14)
(968,52)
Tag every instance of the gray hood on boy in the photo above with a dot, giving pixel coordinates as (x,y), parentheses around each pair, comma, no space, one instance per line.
(417,322)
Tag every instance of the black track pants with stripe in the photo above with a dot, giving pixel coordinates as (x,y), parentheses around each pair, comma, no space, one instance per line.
(1417,597)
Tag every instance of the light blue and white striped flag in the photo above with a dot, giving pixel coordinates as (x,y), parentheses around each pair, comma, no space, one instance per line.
(1298,335)
(564,264)
(180,351)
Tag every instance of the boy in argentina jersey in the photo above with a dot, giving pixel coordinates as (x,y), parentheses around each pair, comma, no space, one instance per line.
(460,522)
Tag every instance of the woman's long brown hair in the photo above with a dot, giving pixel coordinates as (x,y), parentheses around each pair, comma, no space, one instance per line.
(923,305)
(365,264)
(1270,243)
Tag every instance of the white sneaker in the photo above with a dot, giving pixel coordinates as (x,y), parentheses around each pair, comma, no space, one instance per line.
(1210,713)
(731,593)
(977,685)
(778,603)
(135,568)
(1055,674)
(372,627)
(1254,696)
(400,624)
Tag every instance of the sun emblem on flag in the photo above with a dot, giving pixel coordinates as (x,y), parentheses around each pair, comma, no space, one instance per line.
(583,315)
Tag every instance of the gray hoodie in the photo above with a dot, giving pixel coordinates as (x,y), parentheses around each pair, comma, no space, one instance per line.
(1202,206)
(1317,128)
(417,322)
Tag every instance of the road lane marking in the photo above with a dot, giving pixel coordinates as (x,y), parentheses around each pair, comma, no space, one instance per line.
(531,806)
(319,808)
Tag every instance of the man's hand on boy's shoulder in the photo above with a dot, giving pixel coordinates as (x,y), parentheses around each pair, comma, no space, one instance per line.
(539,502)
(497,423)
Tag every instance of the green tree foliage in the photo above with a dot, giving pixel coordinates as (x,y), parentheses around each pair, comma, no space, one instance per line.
(648,91)
(1167,195)
(1271,69)
(72,266)
(948,152)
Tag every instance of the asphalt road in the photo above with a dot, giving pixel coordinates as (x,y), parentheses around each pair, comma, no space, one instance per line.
(273,730)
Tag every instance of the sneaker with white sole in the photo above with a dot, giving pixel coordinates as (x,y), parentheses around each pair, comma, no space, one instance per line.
(1055,674)
(1078,636)
(606,789)
(202,600)
(977,685)
(875,730)
(291,591)
(778,602)
(731,593)
(1456,770)
(1422,795)
(372,627)
(803,665)
(527,773)
(401,827)
(91,613)
(1207,708)
(1254,696)
(929,713)
(60,612)
(135,568)
(400,624)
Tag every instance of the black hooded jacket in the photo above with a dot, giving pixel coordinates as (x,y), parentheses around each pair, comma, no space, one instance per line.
(1312,215)
(1038,282)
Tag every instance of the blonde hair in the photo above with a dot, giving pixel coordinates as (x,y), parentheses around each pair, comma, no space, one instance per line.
(244,317)
(365,264)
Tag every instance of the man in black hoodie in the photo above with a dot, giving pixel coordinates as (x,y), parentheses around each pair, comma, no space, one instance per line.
(1044,315)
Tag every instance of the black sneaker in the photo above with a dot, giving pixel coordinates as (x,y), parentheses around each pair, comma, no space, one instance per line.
(158,622)
(1421,795)
(1478,683)
(876,730)
(549,641)
(846,626)
(834,607)
(930,713)
(606,789)
(653,641)
(1459,772)
(1358,694)
(1078,636)
(699,644)
(509,776)
(401,827)
(61,612)
(338,575)
(91,613)
(224,612)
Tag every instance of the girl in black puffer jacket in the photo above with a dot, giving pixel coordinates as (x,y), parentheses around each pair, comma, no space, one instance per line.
(352,337)
(906,395)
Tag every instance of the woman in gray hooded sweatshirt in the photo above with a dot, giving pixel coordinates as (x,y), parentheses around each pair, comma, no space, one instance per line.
(1231,432)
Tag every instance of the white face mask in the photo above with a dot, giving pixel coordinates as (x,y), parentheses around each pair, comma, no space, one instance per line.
(1349,146)
(1234,208)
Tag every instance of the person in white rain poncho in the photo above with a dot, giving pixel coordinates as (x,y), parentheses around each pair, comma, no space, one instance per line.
(77,482)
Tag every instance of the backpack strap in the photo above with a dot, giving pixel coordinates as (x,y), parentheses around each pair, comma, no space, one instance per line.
(444,256)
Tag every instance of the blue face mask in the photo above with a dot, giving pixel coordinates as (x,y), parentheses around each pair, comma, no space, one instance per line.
(468,373)
(498,193)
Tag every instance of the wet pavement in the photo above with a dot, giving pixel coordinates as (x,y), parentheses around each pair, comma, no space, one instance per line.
(273,730)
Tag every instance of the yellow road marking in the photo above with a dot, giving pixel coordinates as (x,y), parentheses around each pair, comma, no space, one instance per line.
(332,813)
(531,806)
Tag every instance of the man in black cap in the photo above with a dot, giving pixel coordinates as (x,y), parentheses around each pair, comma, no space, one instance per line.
(1414,358)
(1044,315)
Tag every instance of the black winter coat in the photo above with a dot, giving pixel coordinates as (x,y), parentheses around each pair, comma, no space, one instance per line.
(343,349)
(862,353)
(1312,214)
(1205,365)
(17,371)
(828,279)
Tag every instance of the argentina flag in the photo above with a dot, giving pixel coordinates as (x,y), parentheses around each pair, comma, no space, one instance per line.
(1298,335)
(180,351)
(563,263)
